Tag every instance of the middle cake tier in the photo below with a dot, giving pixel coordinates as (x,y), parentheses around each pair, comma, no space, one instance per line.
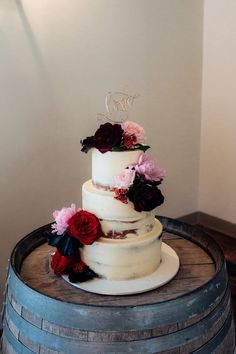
(117,219)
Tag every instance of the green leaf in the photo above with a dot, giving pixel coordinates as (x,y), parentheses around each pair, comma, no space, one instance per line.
(118,148)
(141,147)
(136,147)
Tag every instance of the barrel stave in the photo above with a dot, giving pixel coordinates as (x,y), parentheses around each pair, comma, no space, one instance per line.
(192,314)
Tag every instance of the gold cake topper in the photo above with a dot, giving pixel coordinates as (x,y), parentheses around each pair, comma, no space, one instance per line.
(117,106)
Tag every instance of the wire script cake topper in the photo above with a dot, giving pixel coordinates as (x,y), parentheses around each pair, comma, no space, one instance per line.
(117,106)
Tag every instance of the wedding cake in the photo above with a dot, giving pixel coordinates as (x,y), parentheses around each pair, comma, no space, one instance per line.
(115,235)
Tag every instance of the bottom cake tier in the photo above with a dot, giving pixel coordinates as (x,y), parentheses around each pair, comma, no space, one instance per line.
(120,259)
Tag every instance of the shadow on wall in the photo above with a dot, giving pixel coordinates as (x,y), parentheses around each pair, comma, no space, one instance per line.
(34,47)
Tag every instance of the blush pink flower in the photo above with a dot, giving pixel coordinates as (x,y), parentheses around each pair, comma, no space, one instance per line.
(134,129)
(125,178)
(146,167)
(61,219)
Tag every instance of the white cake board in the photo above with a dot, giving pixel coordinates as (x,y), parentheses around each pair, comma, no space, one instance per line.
(168,268)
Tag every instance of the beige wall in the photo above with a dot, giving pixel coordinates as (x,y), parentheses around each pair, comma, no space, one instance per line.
(217,195)
(58,59)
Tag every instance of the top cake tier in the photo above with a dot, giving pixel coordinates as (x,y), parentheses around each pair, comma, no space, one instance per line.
(106,166)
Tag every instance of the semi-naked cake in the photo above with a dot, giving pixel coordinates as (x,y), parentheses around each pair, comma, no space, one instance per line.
(115,235)
(131,246)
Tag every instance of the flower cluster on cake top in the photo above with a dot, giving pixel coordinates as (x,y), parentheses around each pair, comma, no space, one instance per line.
(138,183)
(116,137)
(73,228)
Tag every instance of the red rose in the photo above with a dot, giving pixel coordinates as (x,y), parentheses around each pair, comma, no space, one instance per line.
(107,136)
(85,227)
(62,264)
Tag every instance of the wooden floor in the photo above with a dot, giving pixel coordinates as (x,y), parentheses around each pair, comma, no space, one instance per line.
(228,245)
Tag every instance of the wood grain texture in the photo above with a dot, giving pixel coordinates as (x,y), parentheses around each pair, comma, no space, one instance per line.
(194,271)
(191,314)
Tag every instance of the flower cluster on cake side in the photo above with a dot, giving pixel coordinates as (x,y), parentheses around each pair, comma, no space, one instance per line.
(73,228)
(138,183)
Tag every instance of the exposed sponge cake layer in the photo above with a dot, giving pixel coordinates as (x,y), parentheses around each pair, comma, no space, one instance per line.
(127,258)
(115,216)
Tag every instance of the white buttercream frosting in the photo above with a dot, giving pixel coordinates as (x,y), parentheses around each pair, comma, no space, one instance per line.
(125,258)
(114,215)
(138,250)
(106,166)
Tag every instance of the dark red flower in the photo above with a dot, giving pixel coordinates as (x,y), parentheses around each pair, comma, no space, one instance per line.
(120,194)
(79,267)
(81,274)
(145,197)
(107,136)
(129,141)
(62,264)
(85,227)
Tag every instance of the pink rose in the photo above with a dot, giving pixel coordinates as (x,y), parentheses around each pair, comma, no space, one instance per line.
(125,178)
(61,219)
(131,128)
(146,167)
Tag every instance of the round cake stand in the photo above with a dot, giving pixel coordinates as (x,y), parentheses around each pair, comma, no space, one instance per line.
(168,268)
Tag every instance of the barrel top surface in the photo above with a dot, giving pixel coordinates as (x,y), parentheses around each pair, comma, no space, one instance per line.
(191,313)
(197,267)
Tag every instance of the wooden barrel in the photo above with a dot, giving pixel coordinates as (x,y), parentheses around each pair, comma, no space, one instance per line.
(190,314)
(231,267)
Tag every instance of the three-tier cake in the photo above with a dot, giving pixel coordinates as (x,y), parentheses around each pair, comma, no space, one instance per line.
(131,245)
(115,235)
